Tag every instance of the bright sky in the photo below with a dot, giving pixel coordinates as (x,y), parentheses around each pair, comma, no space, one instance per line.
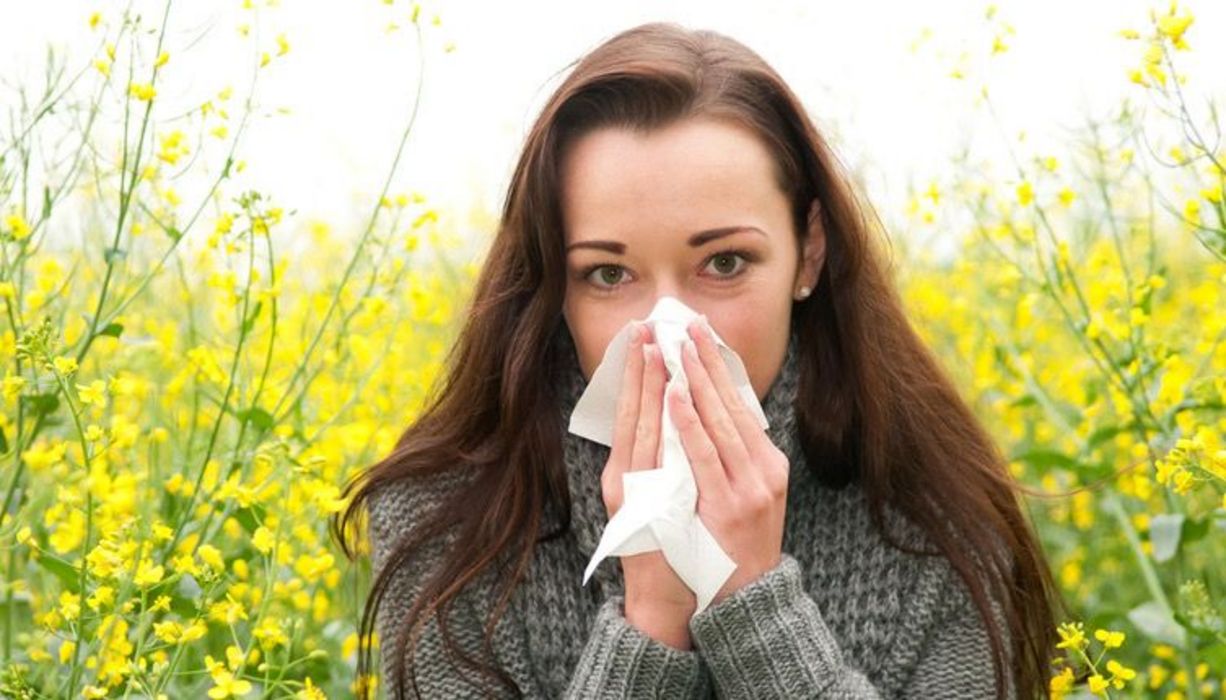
(893,113)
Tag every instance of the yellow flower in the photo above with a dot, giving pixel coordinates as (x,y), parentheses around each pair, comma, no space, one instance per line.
(103,595)
(225,685)
(93,393)
(161,60)
(142,91)
(212,556)
(1120,673)
(1109,638)
(1173,26)
(1072,635)
(94,19)
(65,365)
(70,605)
(12,387)
(42,456)
(1062,683)
(173,146)
(1025,193)
(17,226)
(263,540)
(168,631)
(282,44)
(103,66)
(310,691)
(148,574)
(1191,211)
(1097,683)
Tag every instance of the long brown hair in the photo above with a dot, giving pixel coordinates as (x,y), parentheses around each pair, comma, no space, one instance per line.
(874,404)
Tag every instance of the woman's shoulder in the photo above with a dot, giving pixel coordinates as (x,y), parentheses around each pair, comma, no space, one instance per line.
(393,508)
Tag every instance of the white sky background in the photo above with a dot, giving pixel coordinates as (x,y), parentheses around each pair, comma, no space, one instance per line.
(893,114)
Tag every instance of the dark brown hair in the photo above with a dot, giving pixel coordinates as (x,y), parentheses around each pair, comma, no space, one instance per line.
(874,404)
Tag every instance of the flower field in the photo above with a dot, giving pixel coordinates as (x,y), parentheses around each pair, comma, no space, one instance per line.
(193,374)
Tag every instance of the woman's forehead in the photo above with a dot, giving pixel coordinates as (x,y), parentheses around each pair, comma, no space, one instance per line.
(684,178)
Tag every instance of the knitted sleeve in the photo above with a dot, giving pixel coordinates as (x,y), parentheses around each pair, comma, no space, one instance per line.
(621,661)
(769,640)
(618,660)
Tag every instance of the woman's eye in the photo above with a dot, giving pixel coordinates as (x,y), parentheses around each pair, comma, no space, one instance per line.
(724,265)
(604,276)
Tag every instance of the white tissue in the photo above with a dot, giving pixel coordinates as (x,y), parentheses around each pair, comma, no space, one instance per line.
(659,505)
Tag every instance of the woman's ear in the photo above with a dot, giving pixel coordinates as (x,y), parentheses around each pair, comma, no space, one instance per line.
(813,252)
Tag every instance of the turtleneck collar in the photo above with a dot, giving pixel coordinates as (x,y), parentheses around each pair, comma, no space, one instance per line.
(585,459)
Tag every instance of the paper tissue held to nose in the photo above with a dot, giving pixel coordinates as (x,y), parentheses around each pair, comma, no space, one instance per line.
(659,505)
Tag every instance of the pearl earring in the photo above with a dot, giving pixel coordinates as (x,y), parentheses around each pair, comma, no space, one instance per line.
(804,293)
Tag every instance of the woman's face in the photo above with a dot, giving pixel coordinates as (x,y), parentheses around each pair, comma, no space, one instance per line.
(691,210)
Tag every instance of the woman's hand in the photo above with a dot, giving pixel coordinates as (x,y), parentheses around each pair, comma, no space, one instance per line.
(656,601)
(742,476)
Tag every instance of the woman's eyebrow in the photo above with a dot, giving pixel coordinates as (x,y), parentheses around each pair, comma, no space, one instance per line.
(696,240)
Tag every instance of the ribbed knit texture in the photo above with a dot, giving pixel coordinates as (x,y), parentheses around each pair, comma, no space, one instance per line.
(843,615)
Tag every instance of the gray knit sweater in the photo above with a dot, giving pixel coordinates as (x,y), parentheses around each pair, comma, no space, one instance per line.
(843,615)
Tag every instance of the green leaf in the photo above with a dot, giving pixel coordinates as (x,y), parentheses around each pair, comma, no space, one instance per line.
(255,313)
(1214,655)
(1104,434)
(1047,458)
(250,517)
(258,417)
(112,329)
(1194,529)
(65,572)
(41,404)
(111,254)
(1026,399)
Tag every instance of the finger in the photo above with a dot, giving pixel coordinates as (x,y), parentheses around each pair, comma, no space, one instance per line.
(752,435)
(714,417)
(628,400)
(703,455)
(647,435)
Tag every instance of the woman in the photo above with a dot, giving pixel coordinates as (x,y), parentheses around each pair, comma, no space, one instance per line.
(881,549)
